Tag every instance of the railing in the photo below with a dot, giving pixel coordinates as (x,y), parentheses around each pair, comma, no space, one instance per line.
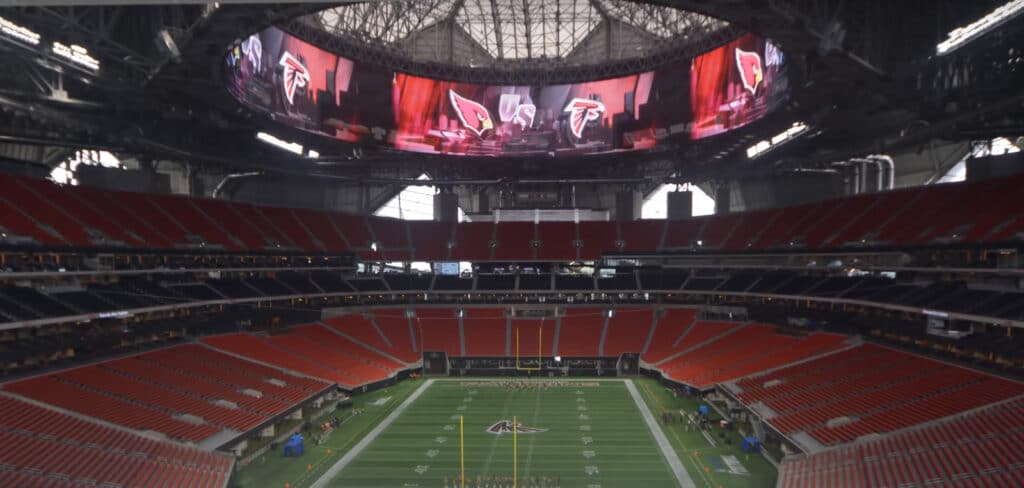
(414,297)
(28,275)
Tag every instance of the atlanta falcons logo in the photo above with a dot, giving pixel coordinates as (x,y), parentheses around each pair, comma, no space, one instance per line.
(581,111)
(505,427)
(751,71)
(474,116)
(295,75)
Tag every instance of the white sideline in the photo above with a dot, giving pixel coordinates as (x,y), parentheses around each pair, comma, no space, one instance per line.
(666,449)
(357,449)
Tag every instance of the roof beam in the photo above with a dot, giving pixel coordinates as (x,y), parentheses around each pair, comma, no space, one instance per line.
(497,28)
(83,3)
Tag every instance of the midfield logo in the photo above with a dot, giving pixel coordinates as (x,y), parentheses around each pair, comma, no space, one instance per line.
(505,427)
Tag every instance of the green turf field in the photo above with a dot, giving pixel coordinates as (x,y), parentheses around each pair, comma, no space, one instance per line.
(706,463)
(273,471)
(591,435)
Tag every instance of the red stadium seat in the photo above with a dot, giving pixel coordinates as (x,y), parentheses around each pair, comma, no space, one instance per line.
(514,241)
(438,330)
(486,332)
(285,354)
(642,235)
(284,220)
(882,389)
(323,231)
(88,453)
(400,334)
(597,238)
(669,329)
(684,233)
(557,240)
(73,396)
(430,240)
(51,215)
(627,331)
(472,241)
(198,361)
(357,233)
(979,449)
(392,237)
(579,333)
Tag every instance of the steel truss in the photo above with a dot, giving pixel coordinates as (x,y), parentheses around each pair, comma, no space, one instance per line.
(121,37)
(143,102)
(510,72)
(514,41)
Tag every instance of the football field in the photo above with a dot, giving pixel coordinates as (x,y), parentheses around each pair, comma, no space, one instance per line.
(571,433)
(579,433)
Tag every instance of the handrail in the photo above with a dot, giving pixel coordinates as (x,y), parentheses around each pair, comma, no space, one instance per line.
(17,275)
(414,296)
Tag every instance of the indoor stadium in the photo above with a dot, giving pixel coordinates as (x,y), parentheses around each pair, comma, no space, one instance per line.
(511,244)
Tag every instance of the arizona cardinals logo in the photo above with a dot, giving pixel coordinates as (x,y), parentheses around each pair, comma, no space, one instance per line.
(751,71)
(581,111)
(295,75)
(474,116)
(505,427)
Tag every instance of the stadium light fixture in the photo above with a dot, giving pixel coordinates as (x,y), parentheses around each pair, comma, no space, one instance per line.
(77,55)
(756,150)
(18,32)
(779,139)
(292,147)
(962,35)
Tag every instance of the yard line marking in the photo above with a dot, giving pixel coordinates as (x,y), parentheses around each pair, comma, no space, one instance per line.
(659,437)
(494,443)
(329,455)
(533,439)
(363,443)
(695,461)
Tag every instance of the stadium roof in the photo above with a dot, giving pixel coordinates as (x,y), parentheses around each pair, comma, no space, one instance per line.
(498,31)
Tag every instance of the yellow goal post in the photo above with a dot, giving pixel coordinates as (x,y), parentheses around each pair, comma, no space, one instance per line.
(540,349)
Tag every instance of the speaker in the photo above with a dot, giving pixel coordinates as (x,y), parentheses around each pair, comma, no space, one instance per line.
(446,207)
(722,200)
(679,204)
(628,205)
